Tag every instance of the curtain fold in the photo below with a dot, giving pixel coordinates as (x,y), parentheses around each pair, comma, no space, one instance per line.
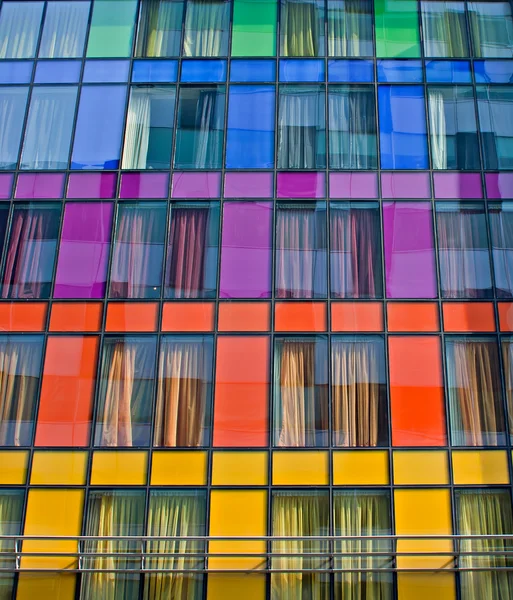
(507,364)
(206,28)
(350,28)
(444,29)
(160,28)
(64,30)
(19,28)
(491,25)
(501,234)
(13,101)
(137,132)
(301,28)
(11,508)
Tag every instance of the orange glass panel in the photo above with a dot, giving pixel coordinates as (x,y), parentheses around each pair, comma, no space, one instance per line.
(468,316)
(188,316)
(505,316)
(23,316)
(244,316)
(356,316)
(132,316)
(300,316)
(416,391)
(413,316)
(76,316)
(242,391)
(69,377)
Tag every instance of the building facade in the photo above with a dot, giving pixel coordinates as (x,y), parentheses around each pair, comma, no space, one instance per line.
(256,315)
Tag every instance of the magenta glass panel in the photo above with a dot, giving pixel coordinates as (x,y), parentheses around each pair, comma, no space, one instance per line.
(405,185)
(40,185)
(458,185)
(353,185)
(144,185)
(248,185)
(84,250)
(92,185)
(301,185)
(409,250)
(499,185)
(246,250)
(6,181)
(196,185)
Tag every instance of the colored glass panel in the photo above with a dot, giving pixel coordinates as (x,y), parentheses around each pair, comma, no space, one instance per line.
(254,28)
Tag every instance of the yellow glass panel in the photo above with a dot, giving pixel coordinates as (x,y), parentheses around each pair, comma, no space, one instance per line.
(360,467)
(119,467)
(426,586)
(13,467)
(420,467)
(58,468)
(46,586)
(239,468)
(186,467)
(235,587)
(56,512)
(300,468)
(480,467)
(238,513)
(423,512)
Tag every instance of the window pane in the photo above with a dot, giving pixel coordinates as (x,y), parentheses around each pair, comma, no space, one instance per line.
(452,116)
(254,28)
(20,371)
(501,232)
(445,29)
(491,24)
(397,29)
(19,28)
(301,269)
(352,127)
(350,28)
(184,395)
(136,269)
(302,28)
(474,392)
(49,127)
(13,102)
(507,361)
(206,28)
(11,509)
(160,28)
(64,30)
(149,128)
(112,28)
(28,269)
(463,250)
(301,127)
(125,399)
(495,106)
(300,390)
(191,270)
(199,143)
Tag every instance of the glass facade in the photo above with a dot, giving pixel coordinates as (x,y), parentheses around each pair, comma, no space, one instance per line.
(256,313)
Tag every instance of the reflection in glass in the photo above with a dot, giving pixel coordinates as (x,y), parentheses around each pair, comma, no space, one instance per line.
(64,30)
(495,104)
(13,101)
(491,24)
(507,364)
(11,511)
(302,28)
(19,28)
(206,28)
(501,233)
(444,29)
(160,28)
(350,28)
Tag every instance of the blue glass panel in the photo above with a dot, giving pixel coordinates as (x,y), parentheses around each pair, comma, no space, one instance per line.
(154,71)
(58,71)
(493,71)
(301,70)
(250,142)
(203,71)
(402,124)
(400,71)
(99,127)
(350,71)
(15,72)
(448,71)
(250,71)
(106,71)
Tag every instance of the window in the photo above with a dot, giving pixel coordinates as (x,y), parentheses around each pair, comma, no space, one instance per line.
(19,28)
(126,391)
(495,105)
(474,392)
(64,30)
(501,233)
(206,28)
(491,24)
(160,28)
(112,28)
(184,395)
(11,510)
(350,28)
(463,250)
(302,28)
(301,392)
(444,29)
(507,364)
(13,101)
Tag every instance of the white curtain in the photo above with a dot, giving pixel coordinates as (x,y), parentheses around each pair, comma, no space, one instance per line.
(19,29)
(438,129)
(491,24)
(209,125)
(12,111)
(160,27)
(64,30)
(445,29)
(137,135)
(206,28)
(350,28)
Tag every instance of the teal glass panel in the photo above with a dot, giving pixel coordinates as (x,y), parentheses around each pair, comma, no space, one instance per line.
(112,28)
(397,29)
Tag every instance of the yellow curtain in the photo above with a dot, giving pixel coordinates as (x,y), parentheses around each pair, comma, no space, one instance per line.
(299,28)
(485,512)
(11,505)
(299,514)
(175,514)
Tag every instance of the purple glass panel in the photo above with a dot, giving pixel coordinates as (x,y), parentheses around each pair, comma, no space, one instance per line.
(40,185)
(405,185)
(196,185)
(144,185)
(58,71)
(92,185)
(301,185)
(248,185)
(6,181)
(458,185)
(353,185)
(409,250)
(246,250)
(84,250)
(499,185)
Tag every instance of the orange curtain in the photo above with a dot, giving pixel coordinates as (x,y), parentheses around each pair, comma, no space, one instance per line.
(507,359)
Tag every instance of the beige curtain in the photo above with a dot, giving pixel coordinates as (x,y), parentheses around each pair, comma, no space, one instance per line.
(182,393)
(299,514)
(485,512)
(507,359)
(299,23)
(175,514)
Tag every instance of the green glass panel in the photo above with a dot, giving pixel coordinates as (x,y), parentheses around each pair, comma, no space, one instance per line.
(112,28)
(397,29)
(254,28)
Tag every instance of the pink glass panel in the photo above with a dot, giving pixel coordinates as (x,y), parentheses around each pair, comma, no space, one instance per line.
(301,185)
(405,185)
(40,185)
(6,181)
(196,185)
(92,185)
(144,185)
(353,185)
(499,185)
(248,185)
(458,185)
